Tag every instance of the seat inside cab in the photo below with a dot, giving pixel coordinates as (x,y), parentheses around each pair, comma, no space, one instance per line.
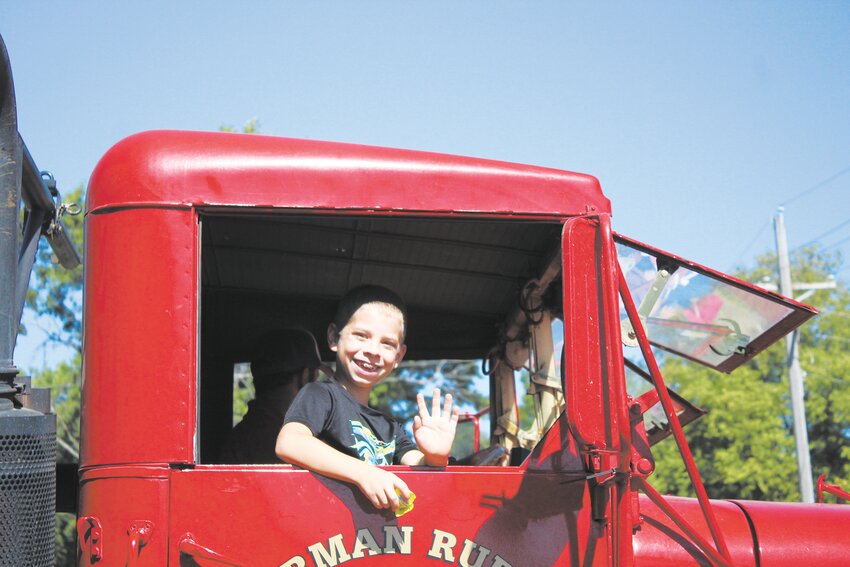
(477,314)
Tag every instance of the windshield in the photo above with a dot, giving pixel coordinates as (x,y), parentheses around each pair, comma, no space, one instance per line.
(701,314)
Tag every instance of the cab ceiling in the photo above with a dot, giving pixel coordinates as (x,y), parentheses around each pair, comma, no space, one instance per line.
(459,277)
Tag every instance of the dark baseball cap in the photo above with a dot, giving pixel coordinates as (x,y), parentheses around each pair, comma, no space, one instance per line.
(284,351)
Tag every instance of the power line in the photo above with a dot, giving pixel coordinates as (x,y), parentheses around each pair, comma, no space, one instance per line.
(750,245)
(827,233)
(816,186)
(835,244)
(791,199)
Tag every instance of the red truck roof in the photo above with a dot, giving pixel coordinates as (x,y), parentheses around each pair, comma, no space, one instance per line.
(215,168)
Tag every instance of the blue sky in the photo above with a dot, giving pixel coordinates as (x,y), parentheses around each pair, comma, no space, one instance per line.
(699,119)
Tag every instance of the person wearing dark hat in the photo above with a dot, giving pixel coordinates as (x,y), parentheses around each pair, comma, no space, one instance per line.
(286,360)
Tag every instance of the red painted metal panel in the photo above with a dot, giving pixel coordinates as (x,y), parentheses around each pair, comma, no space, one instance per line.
(658,542)
(140,319)
(593,372)
(207,168)
(119,499)
(792,534)
(594,383)
(582,305)
(273,515)
(768,534)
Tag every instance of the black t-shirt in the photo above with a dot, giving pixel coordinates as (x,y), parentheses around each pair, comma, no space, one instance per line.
(335,417)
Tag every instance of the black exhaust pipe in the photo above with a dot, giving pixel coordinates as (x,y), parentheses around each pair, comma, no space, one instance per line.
(27,434)
(11,154)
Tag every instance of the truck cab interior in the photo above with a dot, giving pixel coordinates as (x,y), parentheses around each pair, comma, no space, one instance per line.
(461,277)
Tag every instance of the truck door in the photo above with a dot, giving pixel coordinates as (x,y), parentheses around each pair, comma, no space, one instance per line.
(462,280)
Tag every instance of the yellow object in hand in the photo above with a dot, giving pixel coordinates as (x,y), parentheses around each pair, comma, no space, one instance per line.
(404,507)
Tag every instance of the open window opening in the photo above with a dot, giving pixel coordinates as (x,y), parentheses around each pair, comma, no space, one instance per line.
(469,284)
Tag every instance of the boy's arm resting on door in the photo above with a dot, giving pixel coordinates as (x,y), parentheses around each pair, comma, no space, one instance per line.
(297,445)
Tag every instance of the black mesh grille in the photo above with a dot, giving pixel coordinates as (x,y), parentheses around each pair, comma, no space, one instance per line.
(27,490)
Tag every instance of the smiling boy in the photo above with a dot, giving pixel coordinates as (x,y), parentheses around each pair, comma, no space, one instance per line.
(330,428)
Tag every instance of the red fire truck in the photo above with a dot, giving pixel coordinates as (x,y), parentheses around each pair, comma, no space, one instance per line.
(198,244)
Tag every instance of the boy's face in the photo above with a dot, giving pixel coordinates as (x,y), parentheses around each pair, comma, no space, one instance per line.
(370,346)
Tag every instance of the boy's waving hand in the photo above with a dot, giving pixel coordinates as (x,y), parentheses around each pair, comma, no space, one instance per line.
(435,431)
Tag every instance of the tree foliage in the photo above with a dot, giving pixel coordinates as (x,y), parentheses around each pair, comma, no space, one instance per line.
(58,292)
(744,447)
(396,395)
(64,383)
(252,126)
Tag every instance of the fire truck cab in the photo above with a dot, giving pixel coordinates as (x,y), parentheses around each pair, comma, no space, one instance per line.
(197,244)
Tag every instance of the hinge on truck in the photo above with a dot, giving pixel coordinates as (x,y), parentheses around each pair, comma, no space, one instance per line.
(602,467)
(138,534)
(90,538)
(601,464)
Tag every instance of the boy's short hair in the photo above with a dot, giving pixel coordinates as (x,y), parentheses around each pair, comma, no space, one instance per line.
(362,295)
(282,353)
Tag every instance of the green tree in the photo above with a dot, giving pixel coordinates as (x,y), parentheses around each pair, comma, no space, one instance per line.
(396,395)
(744,447)
(56,292)
(251,127)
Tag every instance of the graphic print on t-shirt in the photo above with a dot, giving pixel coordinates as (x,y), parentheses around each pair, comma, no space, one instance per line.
(369,448)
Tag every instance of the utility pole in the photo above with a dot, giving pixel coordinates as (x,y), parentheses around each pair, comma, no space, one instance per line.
(795,373)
